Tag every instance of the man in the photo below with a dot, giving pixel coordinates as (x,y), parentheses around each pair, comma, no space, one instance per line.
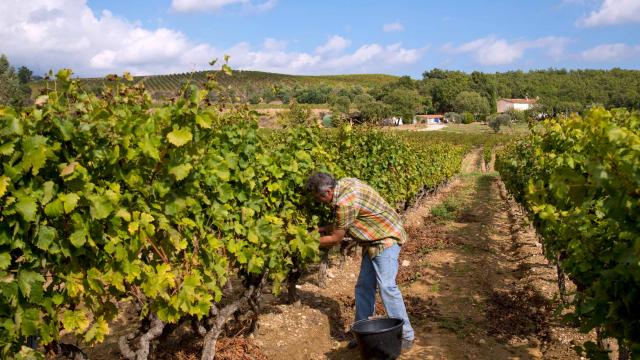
(363,214)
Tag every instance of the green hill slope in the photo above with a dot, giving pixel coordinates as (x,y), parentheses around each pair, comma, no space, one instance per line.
(243,84)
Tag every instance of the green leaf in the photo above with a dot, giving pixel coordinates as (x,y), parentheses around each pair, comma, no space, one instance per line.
(29,321)
(70,201)
(75,321)
(255,265)
(179,137)
(181,171)
(252,237)
(97,331)
(223,174)
(226,69)
(149,147)
(4,183)
(5,260)
(27,207)
(48,192)
(6,149)
(78,238)
(27,280)
(100,207)
(35,153)
(303,155)
(54,208)
(203,120)
(46,235)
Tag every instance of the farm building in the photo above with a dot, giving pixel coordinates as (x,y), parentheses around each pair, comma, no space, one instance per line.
(430,118)
(504,105)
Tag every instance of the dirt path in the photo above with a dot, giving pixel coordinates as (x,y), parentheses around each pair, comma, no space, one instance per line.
(473,277)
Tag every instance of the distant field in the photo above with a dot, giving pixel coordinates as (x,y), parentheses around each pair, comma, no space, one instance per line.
(162,86)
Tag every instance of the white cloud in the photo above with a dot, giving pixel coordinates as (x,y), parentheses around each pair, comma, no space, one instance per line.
(493,51)
(613,12)
(335,44)
(608,52)
(52,34)
(367,58)
(393,27)
(47,34)
(213,5)
(273,44)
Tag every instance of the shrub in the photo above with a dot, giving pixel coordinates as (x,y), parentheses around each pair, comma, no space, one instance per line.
(467,118)
(498,120)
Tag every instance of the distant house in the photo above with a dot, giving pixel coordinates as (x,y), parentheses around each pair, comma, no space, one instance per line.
(505,105)
(430,118)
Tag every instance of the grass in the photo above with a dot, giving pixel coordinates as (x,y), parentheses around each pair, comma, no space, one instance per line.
(435,288)
(462,269)
(457,325)
(424,250)
(448,209)
(480,128)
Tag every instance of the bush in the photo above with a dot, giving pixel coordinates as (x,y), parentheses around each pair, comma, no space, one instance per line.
(297,114)
(467,118)
(496,121)
(516,115)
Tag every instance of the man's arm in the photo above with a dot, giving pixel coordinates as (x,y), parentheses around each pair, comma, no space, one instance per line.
(327,229)
(334,238)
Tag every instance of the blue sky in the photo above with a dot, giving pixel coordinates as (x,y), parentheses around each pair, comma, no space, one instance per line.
(97,37)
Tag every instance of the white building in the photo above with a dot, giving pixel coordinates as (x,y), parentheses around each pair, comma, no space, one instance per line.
(504,105)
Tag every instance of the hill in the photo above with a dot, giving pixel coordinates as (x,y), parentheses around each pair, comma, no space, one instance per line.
(245,84)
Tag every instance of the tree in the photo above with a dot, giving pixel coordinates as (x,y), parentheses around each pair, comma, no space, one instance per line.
(24,74)
(10,91)
(471,101)
(363,100)
(404,103)
(374,112)
(406,82)
(444,91)
(434,73)
(485,85)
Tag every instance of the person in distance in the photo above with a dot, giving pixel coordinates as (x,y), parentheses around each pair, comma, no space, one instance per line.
(365,216)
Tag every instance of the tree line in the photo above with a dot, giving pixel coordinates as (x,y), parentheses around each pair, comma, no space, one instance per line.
(558,91)
(439,91)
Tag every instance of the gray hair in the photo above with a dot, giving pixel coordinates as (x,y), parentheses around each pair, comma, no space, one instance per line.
(319,183)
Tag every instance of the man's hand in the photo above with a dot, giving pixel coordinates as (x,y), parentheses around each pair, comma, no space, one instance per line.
(334,238)
(325,230)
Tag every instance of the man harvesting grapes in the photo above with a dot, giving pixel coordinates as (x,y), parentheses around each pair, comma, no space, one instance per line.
(365,216)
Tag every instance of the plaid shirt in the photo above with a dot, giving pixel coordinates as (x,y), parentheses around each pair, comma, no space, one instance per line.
(366,216)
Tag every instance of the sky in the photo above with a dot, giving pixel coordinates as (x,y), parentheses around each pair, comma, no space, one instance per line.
(400,37)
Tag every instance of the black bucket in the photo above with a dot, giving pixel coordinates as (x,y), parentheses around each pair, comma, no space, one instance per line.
(379,339)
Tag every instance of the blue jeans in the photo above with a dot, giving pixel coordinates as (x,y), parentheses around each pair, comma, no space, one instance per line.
(381,271)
